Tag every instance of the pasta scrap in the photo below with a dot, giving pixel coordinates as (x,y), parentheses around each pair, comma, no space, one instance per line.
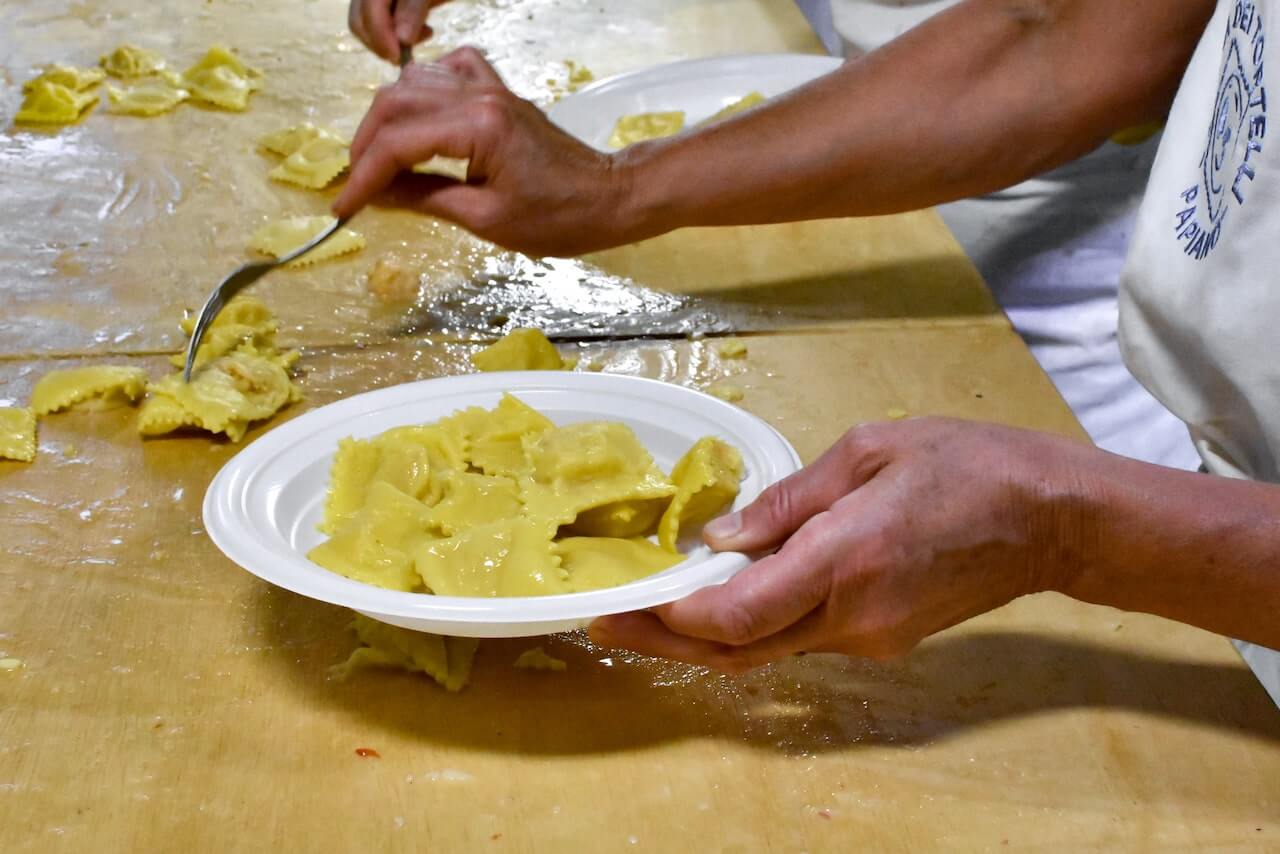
(645,126)
(17,434)
(221,79)
(520,350)
(105,386)
(47,102)
(706,480)
(128,62)
(281,237)
(315,164)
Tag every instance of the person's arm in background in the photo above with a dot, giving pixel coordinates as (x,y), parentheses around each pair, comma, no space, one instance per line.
(904,529)
(977,98)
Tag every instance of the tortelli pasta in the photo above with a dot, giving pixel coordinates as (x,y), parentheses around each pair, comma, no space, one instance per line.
(706,479)
(244,324)
(239,377)
(288,140)
(47,102)
(313,156)
(315,164)
(221,79)
(69,76)
(281,237)
(100,386)
(148,97)
(503,502)
(521,350)
(645,126)
(17,434)
(445,659)
(128,62)
(225,396)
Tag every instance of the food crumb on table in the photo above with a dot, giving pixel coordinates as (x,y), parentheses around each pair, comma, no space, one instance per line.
(733,348)
(390,282)
(538,659)
(728,392)
(11,664)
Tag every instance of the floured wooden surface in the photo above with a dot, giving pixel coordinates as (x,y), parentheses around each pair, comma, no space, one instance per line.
(167,695)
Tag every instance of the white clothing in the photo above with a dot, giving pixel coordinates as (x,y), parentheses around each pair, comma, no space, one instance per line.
(1052,249)
(1200,310)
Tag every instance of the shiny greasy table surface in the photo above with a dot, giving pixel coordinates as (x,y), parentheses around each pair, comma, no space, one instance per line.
(170,700)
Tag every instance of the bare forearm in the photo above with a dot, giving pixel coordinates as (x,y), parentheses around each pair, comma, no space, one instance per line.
(1199,549)
(978,98)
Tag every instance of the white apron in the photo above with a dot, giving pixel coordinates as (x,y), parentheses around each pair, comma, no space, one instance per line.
(1200,292)
(1051,249)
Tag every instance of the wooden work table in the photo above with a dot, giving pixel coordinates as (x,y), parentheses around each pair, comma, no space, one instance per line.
(170,701)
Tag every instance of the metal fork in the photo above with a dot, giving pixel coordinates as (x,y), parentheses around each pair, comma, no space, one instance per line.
(238,281)
(250,273)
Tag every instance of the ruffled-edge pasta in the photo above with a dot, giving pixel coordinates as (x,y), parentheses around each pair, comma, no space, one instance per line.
(283,236)
(376,546)
(447,660)
(597,563)
(286,141)
(72,77)
(706,479)
(149,97)
(510,557)
(52,103)
(129,62)
(221,79)
(245,323)
(225,396)
(315,164)
(102,385)
(579,467)
(17,434)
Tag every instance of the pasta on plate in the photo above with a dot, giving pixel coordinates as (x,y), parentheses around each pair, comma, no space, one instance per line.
(503,502)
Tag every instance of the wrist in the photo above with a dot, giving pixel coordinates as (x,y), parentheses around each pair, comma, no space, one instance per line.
(640,202)
(1074,510)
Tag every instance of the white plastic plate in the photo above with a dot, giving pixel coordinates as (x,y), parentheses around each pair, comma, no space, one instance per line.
(700,87)
(262,509)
